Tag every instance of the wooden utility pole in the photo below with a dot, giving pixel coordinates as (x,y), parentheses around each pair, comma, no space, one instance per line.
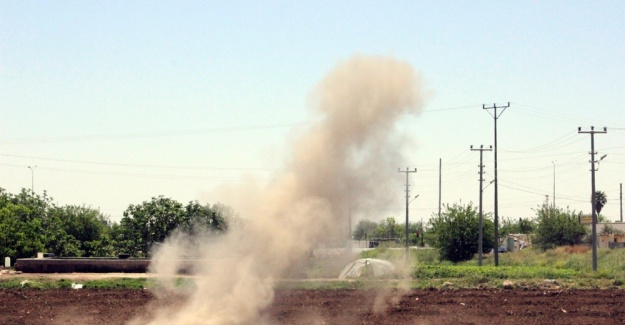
(481,231)
(495,117)
(593,197)
(407,171)
(440,183)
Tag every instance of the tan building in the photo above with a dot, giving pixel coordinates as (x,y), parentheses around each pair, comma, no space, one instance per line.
(611,234)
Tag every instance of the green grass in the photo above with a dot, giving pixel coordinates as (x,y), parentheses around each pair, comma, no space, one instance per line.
(34,284)
(568,267)
(44,283)
(491,272)
(120,283)
(564,267)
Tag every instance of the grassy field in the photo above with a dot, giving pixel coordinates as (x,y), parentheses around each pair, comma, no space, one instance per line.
(564,267)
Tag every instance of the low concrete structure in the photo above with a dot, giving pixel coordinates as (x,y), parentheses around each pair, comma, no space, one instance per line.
(102,265)
(610,234)
(516,242)
(82,265)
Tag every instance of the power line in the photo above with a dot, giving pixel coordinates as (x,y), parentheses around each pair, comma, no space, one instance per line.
(127,136)
(449,108)
(568,140)
(154,134)
(557,116)
(136,165)
(141,175)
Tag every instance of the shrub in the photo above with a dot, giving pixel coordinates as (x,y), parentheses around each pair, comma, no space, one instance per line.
(456,233)
(557,227)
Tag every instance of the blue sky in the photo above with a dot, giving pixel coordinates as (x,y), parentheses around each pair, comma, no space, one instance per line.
(116,102)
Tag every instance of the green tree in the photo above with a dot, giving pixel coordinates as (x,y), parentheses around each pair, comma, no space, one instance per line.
(21,223)
(389,228)
(415,228)
(31,223)
(77,231)
(148,223)
(557,227)
(521,226)
(152,222)
(205,217)
(456,232)
(365,229)
(600,200)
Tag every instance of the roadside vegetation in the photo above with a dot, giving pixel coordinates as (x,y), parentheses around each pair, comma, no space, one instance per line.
(31,223)
(559,255)
(562,267)
(49,283)
(444,253)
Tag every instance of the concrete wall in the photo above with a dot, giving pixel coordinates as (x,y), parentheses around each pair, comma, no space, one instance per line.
(81,265)
(605,240)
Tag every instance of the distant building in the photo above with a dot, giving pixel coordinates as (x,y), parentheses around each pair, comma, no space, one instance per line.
(611,234)
(517,242)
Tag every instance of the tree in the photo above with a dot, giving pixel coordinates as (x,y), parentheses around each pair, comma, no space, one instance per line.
(522,226)
(456,233)
(364,229)
(389,228)
(152,222)
(600,200)
(416,232)
(19,238)
(149,222)
(82,230)
(21,223)
(206,218)
(557,227)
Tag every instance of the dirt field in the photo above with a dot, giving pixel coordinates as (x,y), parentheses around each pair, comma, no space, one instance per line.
(471,306)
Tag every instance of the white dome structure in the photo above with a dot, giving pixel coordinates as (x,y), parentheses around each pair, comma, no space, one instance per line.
(367,268)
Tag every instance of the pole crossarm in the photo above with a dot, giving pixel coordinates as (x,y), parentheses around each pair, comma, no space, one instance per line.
(494,108)
(592,133)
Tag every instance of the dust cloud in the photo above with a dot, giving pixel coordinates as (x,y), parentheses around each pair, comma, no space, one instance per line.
(346,154)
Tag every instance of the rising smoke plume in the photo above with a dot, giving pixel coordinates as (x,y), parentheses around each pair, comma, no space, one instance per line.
(347,154)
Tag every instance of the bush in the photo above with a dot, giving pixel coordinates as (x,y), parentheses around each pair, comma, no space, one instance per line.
(456,233)
(557,227)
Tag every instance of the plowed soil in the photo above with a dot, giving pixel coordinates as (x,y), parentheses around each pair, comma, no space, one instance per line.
(465,306)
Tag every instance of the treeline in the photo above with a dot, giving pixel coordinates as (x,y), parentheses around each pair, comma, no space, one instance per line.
(455,232)
(31,223)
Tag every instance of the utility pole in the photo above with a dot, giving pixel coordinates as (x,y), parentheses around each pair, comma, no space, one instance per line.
(554,184)
(621,202)
(593,200)
(422,232)
(349,218)
(407,171)
(479,245)
(32,179)
(440,165)
(495,117)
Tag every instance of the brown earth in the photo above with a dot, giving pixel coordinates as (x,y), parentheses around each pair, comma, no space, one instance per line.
(465,306)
